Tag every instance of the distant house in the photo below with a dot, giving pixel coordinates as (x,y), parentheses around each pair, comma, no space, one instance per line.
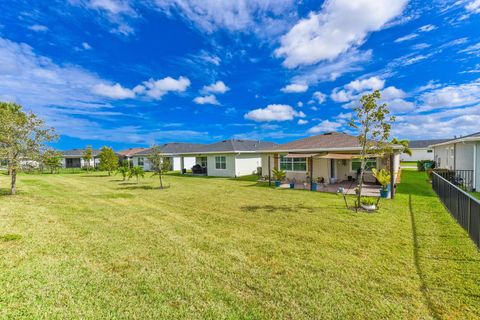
(420,150)
(126,155)
(460,154)
(229,158)
(73,158)
(171,151)
(332,156)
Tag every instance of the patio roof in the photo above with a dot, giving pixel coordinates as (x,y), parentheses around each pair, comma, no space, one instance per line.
(301,155)
(338,156)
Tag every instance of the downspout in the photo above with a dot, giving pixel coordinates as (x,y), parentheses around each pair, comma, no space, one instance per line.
(393,178)
(311,173)
(454,156)
(475,166)
(269,173)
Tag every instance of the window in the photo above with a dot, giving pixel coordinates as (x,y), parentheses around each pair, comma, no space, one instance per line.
(293,164)
(202,161)
(371,163)
(429,151)
(140,161)
(220,163)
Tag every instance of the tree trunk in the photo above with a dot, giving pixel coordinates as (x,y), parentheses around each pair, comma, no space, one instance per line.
(160,177)
(360,182)
(13,189)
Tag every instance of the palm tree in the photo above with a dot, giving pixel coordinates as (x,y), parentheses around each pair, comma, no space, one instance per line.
(405,143)
(124,170)
(136,171)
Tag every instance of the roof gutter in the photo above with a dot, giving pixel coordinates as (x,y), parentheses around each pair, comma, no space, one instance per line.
(467,139)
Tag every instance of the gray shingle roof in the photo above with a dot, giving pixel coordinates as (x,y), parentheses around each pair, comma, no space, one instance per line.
(237,145)
(173,148)
(78,152)
(328,140)
(424,143)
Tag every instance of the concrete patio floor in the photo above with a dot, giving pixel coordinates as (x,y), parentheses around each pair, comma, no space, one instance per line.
(349,187)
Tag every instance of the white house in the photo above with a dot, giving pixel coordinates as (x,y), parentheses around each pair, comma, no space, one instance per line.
(460,154)
(73,158)
(229,158)
(331,157)
(420,150)
(170,150)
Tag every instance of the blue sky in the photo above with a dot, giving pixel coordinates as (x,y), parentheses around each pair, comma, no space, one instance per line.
(132,73)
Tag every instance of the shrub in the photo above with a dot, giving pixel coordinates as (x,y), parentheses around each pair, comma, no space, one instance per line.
(421,164)
(368,201)
(279,175)
(383,177)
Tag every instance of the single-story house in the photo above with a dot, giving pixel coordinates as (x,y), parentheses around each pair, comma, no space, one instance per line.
(170,150)
(420,150)
(126,155)
(229,158)
(73,158)
(460,154)
(331,157)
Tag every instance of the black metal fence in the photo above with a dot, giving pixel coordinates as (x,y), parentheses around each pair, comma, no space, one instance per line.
(462,206)
(461,178)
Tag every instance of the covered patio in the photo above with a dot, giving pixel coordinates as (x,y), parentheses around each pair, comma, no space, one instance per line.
(368,190)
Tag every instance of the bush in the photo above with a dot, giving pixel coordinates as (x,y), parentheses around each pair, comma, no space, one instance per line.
(421,164)
(368,201)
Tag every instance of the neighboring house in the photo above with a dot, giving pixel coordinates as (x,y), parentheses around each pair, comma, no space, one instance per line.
(460,154)
(73,158)
(420,150)
(169,150)
(332,156)
(230,158)
(128,153)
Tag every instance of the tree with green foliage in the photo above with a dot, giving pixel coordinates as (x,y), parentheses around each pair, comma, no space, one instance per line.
(108,160)
(158,163)
(405,144)
(136,172)
(87,156)
(22,138)
(373,123)
(124,170)
(52,160)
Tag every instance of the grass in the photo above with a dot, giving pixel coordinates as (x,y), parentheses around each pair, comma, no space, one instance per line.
(93,246)
(409,163)
(475,194)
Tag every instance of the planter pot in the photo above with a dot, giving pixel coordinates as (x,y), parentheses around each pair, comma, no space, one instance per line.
(384,193)
(370,207)
(314,187)
(278,183)
(292,185)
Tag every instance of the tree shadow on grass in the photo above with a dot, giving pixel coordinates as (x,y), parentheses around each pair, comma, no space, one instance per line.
(95,175)
(5,192)
(141,187)
(275,209)
(416,255)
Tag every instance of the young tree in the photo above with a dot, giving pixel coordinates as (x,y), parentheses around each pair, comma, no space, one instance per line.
(406,145)
(108,160)
(373,123)
(124,170)
(22,137)
(87,156)
(52,160)
(159,163)
(136,172)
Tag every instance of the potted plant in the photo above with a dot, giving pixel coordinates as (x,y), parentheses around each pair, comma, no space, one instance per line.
(368,203)
(278,176)
(384,178)
(292,183)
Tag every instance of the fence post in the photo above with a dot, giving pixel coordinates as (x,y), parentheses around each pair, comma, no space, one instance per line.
(469,213)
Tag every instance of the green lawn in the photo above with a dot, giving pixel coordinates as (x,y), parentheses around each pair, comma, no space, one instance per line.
(408,163)
(91,246)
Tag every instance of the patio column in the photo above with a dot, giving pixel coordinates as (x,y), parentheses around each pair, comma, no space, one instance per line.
(392,180)
(182,164)
(269,173)
(311,173)
(275,161)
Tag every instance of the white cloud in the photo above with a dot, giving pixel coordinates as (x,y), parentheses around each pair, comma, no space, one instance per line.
(115,91)
(300,104)
(111,6)
(274,112)
(473,6)
(86,46)
(392,92)
(473,49)
(339,26)
(158,88)
(427,28)
(407,37)
(372,83)
(295,88)
(210,99)
(302,122)
(339,95)
(264,17)
(420,46)
(217,87)
(452,96)
(320,97)
(38,28)
(325,126)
